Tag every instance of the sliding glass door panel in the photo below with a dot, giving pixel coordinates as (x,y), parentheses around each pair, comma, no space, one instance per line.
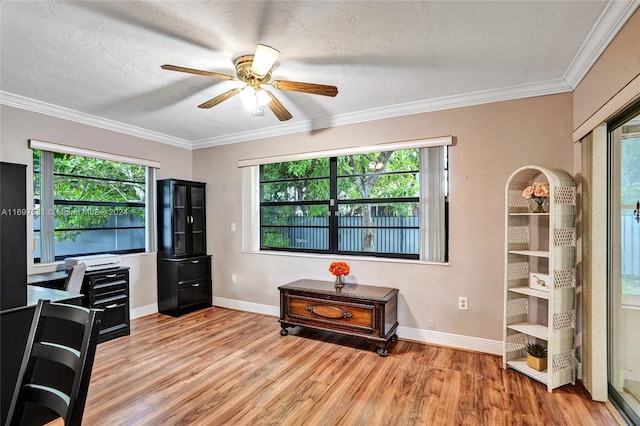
(624,267)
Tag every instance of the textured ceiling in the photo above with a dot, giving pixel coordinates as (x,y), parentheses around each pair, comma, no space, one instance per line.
(99,62)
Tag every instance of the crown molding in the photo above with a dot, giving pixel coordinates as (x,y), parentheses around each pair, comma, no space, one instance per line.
(610,22)
(448,102)
(45,108)
(528,90)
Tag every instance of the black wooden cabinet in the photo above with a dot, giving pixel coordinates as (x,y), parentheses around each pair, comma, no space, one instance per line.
(109,290)
(181,218)
(184,285)
(184,268)
(13,235)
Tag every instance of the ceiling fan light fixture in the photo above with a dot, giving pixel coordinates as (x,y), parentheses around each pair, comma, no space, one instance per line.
(248,98)
(264,59)
(254,99)
(262,98)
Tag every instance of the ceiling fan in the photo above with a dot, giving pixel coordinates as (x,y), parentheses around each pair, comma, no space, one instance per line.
(255,71)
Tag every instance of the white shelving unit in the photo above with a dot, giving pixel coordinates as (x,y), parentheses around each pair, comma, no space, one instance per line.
(542,243)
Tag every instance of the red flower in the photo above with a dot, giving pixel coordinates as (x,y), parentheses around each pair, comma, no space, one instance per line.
(339,268)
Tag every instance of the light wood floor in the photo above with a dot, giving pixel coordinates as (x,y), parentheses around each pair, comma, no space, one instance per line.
(219,366)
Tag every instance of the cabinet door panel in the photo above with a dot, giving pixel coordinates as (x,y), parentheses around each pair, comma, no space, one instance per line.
(194,293)
(197,220)
(179,196)
(180,220)
(179,244)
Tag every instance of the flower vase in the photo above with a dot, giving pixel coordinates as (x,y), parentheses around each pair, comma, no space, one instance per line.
(539,205)
(338,283)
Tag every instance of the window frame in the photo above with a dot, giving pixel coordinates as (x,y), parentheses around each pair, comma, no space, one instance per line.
(251,195)
(46,193)
(333,204)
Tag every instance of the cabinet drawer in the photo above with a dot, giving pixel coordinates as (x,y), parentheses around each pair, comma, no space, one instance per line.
(335,313)
(194,293)
(109,277)
(108,282)
(196,269)
(116,313)
(108,293)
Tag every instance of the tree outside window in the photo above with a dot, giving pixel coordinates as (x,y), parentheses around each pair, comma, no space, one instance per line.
(86,205)
(366,204)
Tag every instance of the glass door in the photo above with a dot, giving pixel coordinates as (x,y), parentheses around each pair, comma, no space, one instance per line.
(624,263)
(180,218)
(198,242)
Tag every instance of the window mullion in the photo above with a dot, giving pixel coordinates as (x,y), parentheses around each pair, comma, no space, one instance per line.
(150,211)
(333,205)
(47,224)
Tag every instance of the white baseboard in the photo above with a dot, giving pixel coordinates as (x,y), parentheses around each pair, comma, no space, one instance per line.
(143,311)
(241,305)
(425,336)
(451,340)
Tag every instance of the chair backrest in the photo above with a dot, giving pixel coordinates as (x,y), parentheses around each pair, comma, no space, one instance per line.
(63,339)
(75,277)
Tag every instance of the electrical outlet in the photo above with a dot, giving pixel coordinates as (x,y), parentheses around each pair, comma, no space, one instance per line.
(233,227)
(431,325)
(463,303)
(234,279)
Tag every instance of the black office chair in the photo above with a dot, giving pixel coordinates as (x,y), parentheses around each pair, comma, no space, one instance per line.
(74,279)
(56,367)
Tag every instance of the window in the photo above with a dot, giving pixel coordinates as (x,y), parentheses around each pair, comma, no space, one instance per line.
(86,205)
(372,204)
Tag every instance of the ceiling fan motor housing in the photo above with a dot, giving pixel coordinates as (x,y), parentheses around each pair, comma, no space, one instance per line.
(245,73)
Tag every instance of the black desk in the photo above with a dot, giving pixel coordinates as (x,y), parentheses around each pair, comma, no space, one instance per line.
(106,289)
(15,324)
(48,279)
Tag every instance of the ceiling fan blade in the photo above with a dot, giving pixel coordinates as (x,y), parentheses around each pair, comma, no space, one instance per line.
(199,72)
(220,98)
(277,108)
(314,89)
(263,59)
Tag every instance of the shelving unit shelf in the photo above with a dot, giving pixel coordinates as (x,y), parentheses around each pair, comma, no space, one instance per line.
(542,244)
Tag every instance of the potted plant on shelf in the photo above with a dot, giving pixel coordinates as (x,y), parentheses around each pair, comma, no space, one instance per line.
(536,356)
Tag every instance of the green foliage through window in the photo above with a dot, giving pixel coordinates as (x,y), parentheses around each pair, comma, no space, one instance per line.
(353,204)
(98,205)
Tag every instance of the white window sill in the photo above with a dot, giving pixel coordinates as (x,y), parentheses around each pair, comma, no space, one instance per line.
(334,256)
(43,268)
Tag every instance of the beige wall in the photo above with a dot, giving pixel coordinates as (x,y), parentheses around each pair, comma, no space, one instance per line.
(18,126)
(491,141)
(618,65)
